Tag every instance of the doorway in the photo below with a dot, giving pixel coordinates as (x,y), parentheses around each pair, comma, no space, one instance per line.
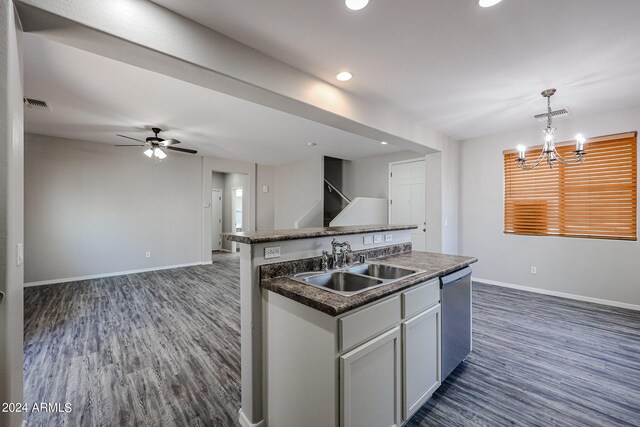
(407,198)
(216,219)
(236,214)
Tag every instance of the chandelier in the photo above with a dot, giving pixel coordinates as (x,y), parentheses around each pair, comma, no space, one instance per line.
(549,152)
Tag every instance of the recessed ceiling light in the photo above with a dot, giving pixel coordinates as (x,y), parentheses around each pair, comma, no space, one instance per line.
(356,4)
(488,3)
(311,144)
(343,76)
(383,142)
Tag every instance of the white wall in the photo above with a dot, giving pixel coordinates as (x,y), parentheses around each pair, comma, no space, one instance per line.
(297,187)
(11,211)
(595,268)
(264,201)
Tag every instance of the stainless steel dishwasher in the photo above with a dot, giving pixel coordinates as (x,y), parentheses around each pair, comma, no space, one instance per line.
(455,299)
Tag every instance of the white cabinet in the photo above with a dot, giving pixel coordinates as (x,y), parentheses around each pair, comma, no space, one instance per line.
(421,359)
(373,366)
(370,383)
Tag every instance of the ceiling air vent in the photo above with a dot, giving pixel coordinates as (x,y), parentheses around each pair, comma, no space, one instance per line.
(35,103)
(557,113)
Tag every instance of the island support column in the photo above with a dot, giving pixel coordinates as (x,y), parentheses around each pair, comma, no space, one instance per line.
(251,340)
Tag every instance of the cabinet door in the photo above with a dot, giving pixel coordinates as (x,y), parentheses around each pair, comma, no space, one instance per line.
(370,383)
(421,359)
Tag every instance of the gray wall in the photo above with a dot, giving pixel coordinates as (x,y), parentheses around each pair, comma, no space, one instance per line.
(297,186)
(11,211)
(264,201)
(93,209)
(595,268)
(369,176)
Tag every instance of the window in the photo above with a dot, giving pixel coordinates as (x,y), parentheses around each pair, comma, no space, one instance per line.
(596,199)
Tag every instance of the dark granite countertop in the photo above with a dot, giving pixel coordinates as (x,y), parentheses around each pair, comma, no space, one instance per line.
(433,264)
(305,233)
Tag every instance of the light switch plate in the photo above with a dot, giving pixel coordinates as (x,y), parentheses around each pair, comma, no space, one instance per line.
(265,188)
(367,240)
(19,254)
(272,252)
(377,238)
(388,237)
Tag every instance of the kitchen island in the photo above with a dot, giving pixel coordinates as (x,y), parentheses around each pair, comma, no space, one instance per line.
(303,346)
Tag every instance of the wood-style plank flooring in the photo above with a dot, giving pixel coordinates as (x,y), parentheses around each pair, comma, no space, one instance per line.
(162,349)
(150,349)
(542,361)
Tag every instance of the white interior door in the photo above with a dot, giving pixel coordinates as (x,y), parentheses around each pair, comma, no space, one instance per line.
(216,220)
(407,199)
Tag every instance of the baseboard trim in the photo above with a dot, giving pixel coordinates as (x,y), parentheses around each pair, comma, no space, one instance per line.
(117,273)
(244,421)
(559,294)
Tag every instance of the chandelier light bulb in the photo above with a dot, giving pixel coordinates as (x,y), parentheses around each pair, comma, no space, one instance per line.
(580,140)
(522,151)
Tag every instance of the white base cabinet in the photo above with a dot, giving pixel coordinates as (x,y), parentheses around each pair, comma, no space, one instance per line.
(370,383)
(421,359)
(373,366)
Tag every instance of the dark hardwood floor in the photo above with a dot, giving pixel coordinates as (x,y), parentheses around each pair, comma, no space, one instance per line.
(162,349)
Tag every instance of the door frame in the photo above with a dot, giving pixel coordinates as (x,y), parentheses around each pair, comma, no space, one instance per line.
(399,162)
(221,212)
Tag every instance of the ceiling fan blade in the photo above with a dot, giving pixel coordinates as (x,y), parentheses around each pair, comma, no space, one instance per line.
(128,137)
(129,145)
(184,150)
(167,142)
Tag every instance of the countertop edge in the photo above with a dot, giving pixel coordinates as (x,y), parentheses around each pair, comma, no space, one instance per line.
(276,285)
(248,238)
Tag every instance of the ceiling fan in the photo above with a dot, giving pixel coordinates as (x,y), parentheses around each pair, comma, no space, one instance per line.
(156,145)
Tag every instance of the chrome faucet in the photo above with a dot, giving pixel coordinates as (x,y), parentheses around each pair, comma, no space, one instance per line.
(340,259)
(325,260)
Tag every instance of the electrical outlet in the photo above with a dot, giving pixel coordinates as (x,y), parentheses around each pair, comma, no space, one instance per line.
(377,238)
(265,188)
(367,240)
(147,254)
(272,252)
(388,237)
(534,270)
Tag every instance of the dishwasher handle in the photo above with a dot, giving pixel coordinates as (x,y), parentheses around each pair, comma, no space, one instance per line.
(454,277)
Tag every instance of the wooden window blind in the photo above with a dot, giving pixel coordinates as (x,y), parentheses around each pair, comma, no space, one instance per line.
(596,199)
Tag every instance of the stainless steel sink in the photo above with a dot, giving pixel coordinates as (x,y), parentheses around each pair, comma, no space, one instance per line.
(343,282)
(354,279)
(381,271)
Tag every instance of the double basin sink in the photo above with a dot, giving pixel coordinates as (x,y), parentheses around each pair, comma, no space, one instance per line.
(355,279)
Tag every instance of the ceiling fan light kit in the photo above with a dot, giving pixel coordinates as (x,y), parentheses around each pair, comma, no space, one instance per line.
(549,152)
(156,146)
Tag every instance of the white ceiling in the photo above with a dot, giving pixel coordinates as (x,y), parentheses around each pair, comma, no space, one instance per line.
(466,70)
(92,98)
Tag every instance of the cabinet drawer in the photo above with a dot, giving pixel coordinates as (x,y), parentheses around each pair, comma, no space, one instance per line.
(358,327)
(420,298)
